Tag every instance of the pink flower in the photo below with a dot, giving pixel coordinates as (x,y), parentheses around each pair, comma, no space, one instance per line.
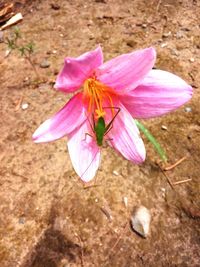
(126,82)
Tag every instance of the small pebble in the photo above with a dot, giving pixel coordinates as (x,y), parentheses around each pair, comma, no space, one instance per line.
(140,221)
(7,53)
(116,173)
(163,45)
(21,220)
(26,79)
(192,59)
(54,51)
(163,192)
(144,25)
(24,106)
(188,109)
(125,200)
(166,34)
(44,64)
(163,127)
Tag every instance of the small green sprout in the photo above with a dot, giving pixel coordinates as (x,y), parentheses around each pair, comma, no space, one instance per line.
(26,50)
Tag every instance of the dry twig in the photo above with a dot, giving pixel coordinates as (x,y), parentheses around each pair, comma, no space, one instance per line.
(90,186)
(175,164)
(166,176)
(107,212)
(19,103)
(182,181)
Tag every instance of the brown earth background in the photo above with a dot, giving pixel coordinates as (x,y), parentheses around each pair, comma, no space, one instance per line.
(47,217)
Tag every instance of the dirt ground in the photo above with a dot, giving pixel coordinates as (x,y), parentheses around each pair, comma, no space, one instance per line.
(47,217)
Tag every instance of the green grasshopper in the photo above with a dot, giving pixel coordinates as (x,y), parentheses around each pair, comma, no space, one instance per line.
(100,129)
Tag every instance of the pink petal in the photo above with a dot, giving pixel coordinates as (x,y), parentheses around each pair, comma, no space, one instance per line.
(125,72)
(71,116)
(160,92)
(84,153)
(125,137)
(77,70)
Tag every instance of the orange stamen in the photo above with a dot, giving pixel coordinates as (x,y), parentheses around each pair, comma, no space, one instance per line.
(96,92)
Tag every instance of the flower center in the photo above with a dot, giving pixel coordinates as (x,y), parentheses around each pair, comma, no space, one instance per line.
(96,94)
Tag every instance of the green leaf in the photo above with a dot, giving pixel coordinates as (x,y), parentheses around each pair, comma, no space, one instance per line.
(153,140)
(22,50)
(10,43)
(17,33)
(30,47)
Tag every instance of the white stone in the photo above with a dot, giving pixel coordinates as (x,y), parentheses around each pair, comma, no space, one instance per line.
(167,34)
(115,173)
(188,109)
(24,106)
(163,127)
(163,45)
(140,221)
(125,200)
(7,53)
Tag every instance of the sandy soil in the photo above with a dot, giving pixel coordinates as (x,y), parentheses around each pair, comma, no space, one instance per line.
(48,218)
